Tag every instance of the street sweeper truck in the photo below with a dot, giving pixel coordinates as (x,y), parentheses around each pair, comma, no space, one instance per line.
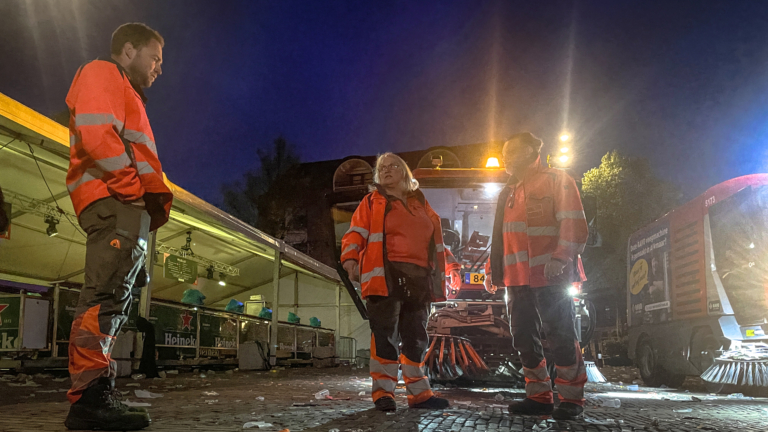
(697,290)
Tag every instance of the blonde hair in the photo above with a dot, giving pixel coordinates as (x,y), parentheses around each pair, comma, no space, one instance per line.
(410,184)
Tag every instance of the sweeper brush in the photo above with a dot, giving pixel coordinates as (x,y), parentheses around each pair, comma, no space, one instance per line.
(450,357)
(743,367)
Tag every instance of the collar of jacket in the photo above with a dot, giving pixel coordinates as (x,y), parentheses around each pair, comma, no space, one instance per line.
(124,72)
(418,194)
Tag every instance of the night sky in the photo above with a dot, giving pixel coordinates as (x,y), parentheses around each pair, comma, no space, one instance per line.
(682,83)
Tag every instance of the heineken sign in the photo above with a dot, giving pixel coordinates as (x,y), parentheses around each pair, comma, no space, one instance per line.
(218,332)
(10,313)
(174,326)
(180,269)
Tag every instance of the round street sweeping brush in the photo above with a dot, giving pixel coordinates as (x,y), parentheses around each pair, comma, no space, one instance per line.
(744,367)
(450,357)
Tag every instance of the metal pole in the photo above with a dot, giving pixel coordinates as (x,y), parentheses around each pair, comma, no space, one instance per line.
(338,320)
(275,307)
(296,293)
(338,312)
(54,345)
(146,293)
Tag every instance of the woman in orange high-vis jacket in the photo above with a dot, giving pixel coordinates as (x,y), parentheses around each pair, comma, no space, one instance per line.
(539,232)
(394,247)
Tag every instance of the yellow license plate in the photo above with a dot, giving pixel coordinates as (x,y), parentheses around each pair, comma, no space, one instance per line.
(474,278)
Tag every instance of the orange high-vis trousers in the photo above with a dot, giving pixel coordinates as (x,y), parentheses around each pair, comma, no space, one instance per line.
(394,320)
(114,254)
(530,308)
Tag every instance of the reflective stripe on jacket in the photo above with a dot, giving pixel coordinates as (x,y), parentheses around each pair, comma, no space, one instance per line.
(112,148)
(538,219)
(364,243)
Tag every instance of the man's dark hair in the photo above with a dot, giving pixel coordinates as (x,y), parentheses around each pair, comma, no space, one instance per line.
(528,139)
(137,34)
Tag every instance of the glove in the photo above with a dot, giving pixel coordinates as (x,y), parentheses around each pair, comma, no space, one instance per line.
(142,279)
(455,279)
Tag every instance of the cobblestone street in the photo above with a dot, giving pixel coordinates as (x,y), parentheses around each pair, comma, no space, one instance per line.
(284,399)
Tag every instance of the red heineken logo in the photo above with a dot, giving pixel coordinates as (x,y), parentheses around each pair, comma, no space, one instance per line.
(2,308)
(186,319)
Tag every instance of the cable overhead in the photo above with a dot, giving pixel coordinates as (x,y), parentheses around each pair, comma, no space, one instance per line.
(9,142)
(58,208)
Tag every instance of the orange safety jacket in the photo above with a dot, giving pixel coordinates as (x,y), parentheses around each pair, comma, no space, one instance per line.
(364,242)
(537,219)
(112,148)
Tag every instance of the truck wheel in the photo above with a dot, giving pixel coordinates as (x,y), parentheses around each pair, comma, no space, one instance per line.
(650,371)
(674,380)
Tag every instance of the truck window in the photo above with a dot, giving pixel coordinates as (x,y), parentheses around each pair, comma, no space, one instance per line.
(739,227)
(467,217)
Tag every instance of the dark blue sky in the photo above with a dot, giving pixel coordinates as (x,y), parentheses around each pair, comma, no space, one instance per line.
(682,83)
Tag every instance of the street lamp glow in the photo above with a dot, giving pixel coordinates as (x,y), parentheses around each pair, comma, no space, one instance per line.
(565,137)
(563,159)
(564,149)
(492,162)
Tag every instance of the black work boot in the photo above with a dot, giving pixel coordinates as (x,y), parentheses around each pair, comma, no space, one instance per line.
(117,396)
(531,407)
(99,409)
(385,403)
(568,411)
(434,403)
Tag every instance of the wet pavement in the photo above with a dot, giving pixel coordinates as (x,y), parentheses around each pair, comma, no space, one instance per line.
(284,399)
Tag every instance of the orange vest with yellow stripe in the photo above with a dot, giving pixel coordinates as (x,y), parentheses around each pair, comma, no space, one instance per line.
(364,243)
(112,148)
(538,219)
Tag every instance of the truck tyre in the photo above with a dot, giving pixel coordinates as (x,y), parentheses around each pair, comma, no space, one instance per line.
(650,371)
(674,380)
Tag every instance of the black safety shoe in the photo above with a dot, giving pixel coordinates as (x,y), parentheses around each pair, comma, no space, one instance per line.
(434,403)
(118,397)
(385,403)
(531,407)
(568,411)
(99,409)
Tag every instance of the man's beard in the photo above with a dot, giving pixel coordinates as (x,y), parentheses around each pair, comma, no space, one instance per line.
(519,168)
(140,78)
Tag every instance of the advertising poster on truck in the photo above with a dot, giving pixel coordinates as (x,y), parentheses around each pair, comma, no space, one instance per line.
(649,279)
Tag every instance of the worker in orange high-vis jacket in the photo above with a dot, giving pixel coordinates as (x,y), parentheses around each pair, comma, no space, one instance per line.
(116,184)
(394,247)
(539,232)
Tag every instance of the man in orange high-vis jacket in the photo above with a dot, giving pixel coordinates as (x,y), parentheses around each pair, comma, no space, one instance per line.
(539,232)
(116,184)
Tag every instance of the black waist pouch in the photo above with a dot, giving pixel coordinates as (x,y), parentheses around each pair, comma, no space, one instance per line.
(408,282)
